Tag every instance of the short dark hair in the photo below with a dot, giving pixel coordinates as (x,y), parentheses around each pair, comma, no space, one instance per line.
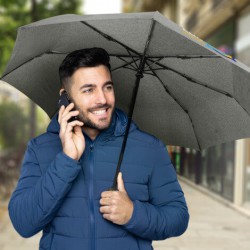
(90,57)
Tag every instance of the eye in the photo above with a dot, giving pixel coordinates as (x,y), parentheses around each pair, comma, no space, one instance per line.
(109,87)
(87,90)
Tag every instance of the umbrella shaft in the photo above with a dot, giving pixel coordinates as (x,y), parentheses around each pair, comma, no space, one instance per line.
(139,75)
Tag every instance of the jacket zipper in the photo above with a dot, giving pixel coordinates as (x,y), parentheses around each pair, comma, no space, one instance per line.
(91,198)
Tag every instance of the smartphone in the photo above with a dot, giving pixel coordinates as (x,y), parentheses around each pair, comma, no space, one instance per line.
(64,100)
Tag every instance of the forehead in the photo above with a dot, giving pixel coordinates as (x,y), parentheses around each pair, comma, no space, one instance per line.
(93,75)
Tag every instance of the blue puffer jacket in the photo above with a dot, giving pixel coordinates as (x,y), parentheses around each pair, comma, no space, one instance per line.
(61,196)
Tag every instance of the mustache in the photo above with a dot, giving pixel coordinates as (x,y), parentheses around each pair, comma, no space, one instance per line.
(99,107)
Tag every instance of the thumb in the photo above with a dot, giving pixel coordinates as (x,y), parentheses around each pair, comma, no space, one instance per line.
(120,183)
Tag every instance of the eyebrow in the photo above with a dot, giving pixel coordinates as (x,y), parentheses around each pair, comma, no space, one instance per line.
(89,85)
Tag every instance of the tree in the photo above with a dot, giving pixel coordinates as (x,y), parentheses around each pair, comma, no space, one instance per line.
(13,13)
(14,122)
(13,125)
(16,13)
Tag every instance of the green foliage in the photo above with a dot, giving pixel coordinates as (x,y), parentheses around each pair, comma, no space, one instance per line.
(42,121)
(16,13)
(13,125)
(12,15)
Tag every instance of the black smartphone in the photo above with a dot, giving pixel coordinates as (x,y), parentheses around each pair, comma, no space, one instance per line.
(64,100)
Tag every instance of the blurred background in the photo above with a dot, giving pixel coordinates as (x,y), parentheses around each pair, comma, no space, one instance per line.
(219,174)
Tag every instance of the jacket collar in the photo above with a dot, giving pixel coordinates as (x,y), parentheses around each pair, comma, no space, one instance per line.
(116,128)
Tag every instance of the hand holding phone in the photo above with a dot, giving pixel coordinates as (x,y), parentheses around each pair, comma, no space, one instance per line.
(72,139)
(64,100)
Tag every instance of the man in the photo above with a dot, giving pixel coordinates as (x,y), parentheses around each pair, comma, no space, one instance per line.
(67,171)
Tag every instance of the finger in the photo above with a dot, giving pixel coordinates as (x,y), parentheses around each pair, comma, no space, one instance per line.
(67,116)
(105,209)
(64,123)
(72,124)
(64,117)
(106,201)
(109,217)
(107,194)
(60,113)
(70,107)
(65,120)
(65,110)
(120,183)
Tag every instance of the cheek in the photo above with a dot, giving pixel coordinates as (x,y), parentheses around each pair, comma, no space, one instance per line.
(83,102)
(112,99)
(82,107)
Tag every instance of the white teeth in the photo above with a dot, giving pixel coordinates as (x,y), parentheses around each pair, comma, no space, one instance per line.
(99,112)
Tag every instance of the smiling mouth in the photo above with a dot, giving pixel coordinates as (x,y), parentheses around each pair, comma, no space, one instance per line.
(100,112)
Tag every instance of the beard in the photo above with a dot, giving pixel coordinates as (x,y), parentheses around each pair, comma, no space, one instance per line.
(91,124)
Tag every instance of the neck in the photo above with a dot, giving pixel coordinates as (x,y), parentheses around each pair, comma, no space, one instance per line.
(91,132)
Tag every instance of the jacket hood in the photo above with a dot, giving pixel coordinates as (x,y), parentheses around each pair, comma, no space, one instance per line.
(116,128)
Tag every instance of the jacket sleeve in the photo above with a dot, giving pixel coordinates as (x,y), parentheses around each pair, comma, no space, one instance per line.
(165,214)
(38,196)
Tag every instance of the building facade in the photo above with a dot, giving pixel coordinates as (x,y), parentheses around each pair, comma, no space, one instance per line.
(223,169)
(166,7)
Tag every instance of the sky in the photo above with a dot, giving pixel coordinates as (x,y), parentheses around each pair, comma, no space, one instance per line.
(102,6)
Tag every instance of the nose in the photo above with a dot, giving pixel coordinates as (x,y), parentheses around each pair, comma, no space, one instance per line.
(101,98)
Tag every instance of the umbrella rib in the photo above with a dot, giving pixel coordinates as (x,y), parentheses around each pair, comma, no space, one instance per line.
(183,57)
(61,53)
(45,53)
(147,73)
(127,63)
(154,62)
(149,70)
(175,99)
(241,106)
(23,64)
(191,56)
(190,79)
(109,38)
(137,66)
(130,68)
(121,57)
(124,66)
(125,56)
(175,56)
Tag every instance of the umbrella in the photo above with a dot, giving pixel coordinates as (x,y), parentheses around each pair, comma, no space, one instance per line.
(175,85)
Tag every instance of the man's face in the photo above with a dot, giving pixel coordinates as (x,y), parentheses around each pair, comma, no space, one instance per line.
(93,94)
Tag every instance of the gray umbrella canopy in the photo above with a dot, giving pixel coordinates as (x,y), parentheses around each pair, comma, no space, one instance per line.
(190,94)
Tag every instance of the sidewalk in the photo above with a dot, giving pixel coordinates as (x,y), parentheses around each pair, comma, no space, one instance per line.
(213,226)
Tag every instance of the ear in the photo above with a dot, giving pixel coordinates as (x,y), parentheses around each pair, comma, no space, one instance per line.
(61,90)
